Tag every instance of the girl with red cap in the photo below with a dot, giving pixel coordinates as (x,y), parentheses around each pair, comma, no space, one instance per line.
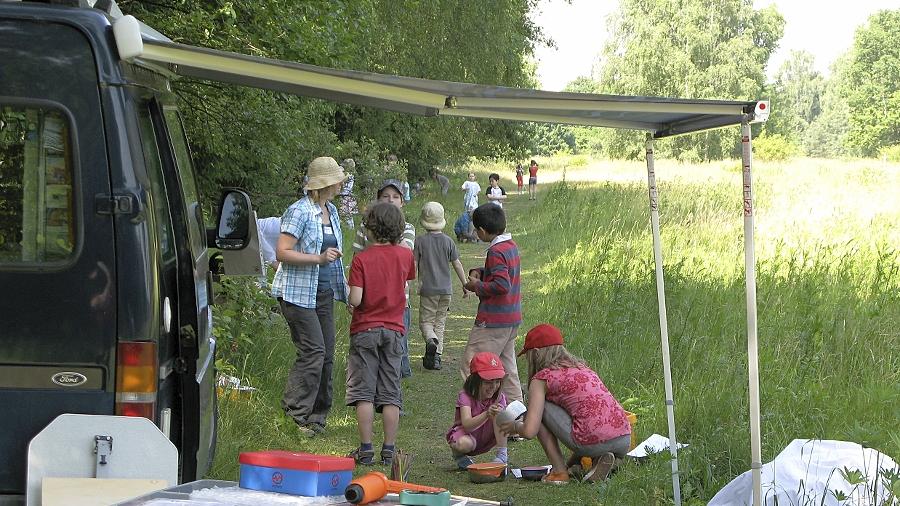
(475,429)
(567,402)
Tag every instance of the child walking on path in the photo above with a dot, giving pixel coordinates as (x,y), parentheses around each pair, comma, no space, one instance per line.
(434,253)
(378,275)
(532,180)
(475,430)
(471,189)
(391,191)
(520,173)
(567,402)
(495,193)
(500,300)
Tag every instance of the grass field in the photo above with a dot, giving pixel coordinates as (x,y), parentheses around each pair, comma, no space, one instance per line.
(828,258)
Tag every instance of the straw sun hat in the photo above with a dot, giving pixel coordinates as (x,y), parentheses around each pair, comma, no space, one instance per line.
(432,216)
(324,171)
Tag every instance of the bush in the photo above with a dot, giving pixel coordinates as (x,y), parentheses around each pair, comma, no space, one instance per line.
(891,153)
(775,147)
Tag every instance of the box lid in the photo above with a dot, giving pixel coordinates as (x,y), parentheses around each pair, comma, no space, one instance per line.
(296,460)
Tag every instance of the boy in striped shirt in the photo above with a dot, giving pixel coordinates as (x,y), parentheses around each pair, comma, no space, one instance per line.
(500,300)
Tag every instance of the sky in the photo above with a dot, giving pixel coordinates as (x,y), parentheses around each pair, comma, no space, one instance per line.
(579,30)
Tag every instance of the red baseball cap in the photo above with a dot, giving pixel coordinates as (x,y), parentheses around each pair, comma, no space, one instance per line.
(542,335)
(487,365)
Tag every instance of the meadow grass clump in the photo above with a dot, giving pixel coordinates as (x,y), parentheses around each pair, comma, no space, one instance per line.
(828,299)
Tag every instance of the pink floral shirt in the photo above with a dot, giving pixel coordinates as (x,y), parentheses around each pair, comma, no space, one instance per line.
(596,415)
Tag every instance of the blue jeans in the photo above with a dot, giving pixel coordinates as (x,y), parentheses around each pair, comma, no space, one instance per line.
(405,368)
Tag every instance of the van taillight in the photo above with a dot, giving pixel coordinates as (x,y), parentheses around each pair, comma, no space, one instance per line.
(137,372)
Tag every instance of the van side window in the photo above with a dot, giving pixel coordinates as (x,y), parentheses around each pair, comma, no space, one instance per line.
(186,176)
(37,212)
(158,196)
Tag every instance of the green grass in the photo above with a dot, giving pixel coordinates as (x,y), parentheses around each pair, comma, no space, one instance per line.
(827,236)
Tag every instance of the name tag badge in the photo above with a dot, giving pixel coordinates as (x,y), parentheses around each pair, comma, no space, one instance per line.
(327,229)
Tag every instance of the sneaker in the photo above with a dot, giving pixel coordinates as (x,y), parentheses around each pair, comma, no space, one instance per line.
(558,478)
(436,365)
(362,457)
(514,439)
(387,457)
(316,427)
(601,468)
(306,431)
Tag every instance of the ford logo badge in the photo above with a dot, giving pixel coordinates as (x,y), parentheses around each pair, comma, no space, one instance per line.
(68,379)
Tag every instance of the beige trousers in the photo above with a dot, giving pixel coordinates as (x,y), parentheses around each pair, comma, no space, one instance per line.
(499,340)
(433,311)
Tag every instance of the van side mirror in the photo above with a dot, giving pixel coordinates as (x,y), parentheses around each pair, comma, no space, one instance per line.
(233,230)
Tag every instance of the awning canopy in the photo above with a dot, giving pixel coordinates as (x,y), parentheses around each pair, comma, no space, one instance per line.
(662,117)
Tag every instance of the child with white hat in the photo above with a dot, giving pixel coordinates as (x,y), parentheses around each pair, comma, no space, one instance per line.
(434,252)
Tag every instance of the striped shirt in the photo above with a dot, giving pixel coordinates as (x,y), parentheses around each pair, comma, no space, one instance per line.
(408,239)
(500,299)
(297,284)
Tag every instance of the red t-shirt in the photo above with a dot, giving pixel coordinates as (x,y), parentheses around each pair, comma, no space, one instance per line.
(532,171)
(382,272)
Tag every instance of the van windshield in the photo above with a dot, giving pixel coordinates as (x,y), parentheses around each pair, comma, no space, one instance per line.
(37,218)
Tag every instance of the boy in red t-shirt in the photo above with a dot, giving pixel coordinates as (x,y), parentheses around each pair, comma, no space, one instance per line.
(377,281)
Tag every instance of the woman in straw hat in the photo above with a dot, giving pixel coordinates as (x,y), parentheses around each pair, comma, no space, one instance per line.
(309,279)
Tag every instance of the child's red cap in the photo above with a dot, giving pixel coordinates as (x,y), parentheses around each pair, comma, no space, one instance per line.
(487,365)
(541,336)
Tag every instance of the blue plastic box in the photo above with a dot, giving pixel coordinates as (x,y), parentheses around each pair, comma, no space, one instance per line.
(295,473)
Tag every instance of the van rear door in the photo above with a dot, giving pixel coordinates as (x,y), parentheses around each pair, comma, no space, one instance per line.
(57,249)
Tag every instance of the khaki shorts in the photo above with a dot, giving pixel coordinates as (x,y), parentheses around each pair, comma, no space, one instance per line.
(373,368)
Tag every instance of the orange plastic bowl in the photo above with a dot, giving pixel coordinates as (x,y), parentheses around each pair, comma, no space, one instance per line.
(487,472)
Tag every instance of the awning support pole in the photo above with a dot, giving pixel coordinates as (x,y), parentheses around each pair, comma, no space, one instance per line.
(663,320)
(752,344)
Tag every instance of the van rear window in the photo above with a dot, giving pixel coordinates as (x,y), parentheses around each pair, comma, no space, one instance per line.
(36,193)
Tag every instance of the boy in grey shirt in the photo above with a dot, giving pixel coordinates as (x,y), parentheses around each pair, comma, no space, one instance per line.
(434,252)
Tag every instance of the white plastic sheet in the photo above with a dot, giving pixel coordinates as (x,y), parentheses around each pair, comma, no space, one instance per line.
(810,472)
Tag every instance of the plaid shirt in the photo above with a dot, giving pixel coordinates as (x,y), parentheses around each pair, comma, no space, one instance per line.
(297,284)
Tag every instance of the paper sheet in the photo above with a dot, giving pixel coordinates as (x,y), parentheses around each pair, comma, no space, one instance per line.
(651,445)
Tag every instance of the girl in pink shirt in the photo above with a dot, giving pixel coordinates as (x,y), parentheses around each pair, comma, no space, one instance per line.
(475,430)
(567,402)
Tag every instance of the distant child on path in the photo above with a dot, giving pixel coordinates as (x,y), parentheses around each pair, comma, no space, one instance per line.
(472,189)
(434,253)
(532,180)
(567,402)
(391,191)
(495,193)
(475,429)
(377,282)
(520,173)
(500,301)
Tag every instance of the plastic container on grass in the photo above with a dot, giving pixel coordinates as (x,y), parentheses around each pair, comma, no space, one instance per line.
(295,473)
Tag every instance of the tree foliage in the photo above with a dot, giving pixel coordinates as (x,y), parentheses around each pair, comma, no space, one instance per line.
(796,98)
(261,140)
(873,85)
(687,49)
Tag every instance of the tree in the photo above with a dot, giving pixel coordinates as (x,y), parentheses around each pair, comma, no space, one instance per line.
(826,135)
(795,95)
(262,140)
(687,49)
(873,85)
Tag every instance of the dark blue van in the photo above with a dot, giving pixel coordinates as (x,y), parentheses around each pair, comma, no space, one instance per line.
(105,285)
